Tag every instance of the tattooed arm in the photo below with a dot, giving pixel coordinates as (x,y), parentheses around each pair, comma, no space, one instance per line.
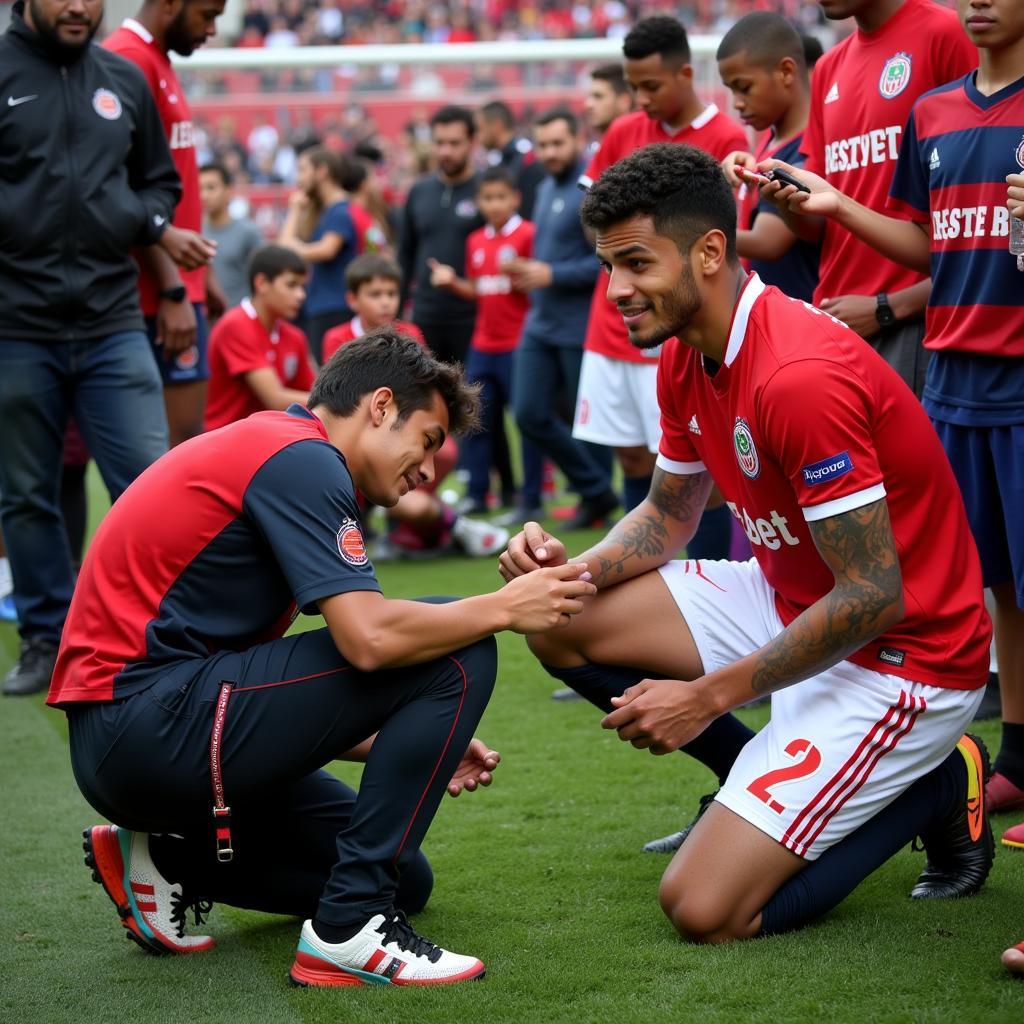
(654,532)
(866,600)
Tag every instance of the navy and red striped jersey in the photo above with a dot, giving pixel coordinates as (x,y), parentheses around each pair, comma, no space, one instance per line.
(951,176)
(211,549)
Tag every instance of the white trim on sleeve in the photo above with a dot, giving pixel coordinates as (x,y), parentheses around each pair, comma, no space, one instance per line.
(847,503)
(586,183)
(679,468)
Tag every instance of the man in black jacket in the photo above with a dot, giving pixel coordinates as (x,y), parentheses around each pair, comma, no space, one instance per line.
(85,175)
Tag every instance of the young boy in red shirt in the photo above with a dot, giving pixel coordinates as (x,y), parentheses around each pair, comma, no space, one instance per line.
(420,524)
(500,313)
(257,359)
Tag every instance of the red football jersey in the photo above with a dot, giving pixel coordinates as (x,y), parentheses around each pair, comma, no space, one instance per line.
(344,333)
(135,43)
(804,421)
(500,311)
(239,343)
(713,132)
(861,95)
(369,236)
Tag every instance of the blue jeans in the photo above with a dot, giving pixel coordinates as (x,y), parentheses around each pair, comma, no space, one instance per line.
(113,389)
(546,376)
(493,371)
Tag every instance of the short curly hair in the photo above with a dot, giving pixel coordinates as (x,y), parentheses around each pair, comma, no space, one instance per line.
(681,188)
(659,34)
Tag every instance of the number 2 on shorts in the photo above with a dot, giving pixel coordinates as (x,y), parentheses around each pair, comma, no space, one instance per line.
(809,763)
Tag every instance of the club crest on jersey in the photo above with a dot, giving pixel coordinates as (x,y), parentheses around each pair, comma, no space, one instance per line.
(1020,153)
(746,452)
(895,76)
(351,546)
(506,253)
(106,104)
(188,359)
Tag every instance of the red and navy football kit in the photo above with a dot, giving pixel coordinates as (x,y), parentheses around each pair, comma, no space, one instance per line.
(490,362)
(711,131)
(178,621)
(958,149)
(803,422)
(134,42)
(239,344)
(861,94)
(795,272)
(344,333)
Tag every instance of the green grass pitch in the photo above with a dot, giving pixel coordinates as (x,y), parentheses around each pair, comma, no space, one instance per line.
(541,876)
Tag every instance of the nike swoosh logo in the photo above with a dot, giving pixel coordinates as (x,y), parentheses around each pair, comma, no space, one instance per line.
(974,818)
(12,102)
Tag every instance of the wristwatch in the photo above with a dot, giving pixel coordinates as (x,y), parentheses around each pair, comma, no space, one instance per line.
(883,311)
(175,294)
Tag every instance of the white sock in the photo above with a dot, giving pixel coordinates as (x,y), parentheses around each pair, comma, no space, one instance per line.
(6,583)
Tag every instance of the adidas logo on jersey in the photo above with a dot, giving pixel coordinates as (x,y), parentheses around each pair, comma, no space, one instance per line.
(933,160)
(833,93)
(694,426)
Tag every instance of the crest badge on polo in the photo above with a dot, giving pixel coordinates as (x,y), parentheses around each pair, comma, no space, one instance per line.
(106,104)
(746,451)
(895,76)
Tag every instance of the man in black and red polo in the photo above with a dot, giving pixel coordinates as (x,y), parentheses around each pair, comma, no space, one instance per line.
(183,695)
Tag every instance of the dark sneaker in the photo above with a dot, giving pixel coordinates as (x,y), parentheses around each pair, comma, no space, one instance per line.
(960,847)
(591,512)
(385,951)
(672,842)
(151,909)
(565,694)
(33,669)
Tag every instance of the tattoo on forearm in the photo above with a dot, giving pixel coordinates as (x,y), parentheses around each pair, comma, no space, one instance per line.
(859,548)
(647,534)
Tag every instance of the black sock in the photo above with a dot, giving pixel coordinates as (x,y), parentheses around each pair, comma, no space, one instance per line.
(333,933)
(717,747)
(1010,760)
(714,535)
(634,490)
(841,868)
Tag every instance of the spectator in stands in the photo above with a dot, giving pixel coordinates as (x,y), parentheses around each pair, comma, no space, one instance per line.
(319,228)
(237,238)
(439,215)
(505,237)
(72,336)
(608,97)
(559,279)
(505,148)
(258,360)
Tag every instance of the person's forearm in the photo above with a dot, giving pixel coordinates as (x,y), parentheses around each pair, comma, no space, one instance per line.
(898,240)
(909,303)
(160,266)
(289,233)
(411,632)
(286,397)
(652,533)
(757,245)
(833,628)
(461,287)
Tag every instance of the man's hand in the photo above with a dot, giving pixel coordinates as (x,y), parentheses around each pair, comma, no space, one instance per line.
(441,275)
(856,311)
(539,601)
(660,715)
(475,768)
(734,162)
(822,201)
(187,248)
(175,326)
(530,550)
(527,274)
(1015,195)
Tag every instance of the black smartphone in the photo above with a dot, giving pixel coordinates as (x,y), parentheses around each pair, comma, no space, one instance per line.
(778,174)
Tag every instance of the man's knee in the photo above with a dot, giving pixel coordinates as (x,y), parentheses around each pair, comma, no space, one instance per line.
(555,647)
(700,917)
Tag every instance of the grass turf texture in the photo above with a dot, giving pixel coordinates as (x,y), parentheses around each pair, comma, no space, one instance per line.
(541,876)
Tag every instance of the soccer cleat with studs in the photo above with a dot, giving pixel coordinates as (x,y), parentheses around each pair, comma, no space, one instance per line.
(960,847)
(152,911)
(385,951)
(672,842)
